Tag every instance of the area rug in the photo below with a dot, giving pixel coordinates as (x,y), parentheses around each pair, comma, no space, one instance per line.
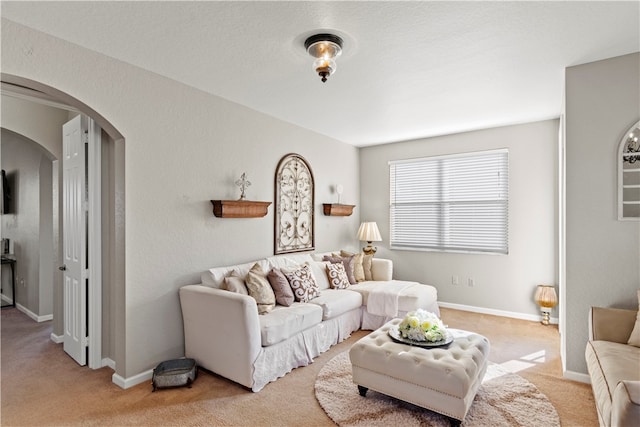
(504,399)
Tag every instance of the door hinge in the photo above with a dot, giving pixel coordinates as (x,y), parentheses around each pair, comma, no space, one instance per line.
(85,342)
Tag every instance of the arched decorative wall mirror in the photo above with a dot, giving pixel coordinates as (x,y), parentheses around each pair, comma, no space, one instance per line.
(629,174)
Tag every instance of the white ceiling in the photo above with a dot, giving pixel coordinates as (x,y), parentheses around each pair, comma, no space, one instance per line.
(408,69)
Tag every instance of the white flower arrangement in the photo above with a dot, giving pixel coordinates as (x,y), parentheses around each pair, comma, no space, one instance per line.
(422,325)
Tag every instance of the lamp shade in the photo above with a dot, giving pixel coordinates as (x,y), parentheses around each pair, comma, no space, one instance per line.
(369,232)
(546,296)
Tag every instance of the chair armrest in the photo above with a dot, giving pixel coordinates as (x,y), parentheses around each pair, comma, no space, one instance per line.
(221,331)
(381,269)
(611,324)
(625,404)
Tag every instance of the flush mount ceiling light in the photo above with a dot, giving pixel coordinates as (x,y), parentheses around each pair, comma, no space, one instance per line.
(325,48)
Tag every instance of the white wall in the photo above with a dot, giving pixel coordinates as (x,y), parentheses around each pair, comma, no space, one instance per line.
(182,147)
(42,125)
(602,253)
(29,167)
(502,282)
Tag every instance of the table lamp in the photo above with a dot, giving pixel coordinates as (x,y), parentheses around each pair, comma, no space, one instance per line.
(546,298)
(368,232)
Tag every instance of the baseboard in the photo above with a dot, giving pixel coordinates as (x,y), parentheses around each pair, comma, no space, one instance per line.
(502,313)
(6,299)
(126,383)
(107,362)
(34,316)
(58,339)
(577,376)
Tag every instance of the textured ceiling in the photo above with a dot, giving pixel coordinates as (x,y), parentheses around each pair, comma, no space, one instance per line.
(408,69)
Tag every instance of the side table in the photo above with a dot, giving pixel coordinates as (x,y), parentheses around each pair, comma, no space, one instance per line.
(11,260)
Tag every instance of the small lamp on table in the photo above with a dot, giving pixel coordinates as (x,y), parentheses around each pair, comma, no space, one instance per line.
(546,298)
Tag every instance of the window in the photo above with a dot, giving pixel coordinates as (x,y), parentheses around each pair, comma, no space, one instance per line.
(451,203)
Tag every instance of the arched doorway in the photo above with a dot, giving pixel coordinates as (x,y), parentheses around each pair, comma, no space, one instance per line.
(109,325)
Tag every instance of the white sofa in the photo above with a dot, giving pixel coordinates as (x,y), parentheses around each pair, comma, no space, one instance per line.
(225,334)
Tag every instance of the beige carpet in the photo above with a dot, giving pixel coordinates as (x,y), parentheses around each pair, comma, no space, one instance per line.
(41,386)
(503,399)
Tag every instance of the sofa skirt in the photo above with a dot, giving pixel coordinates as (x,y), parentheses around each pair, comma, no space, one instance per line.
(277,360)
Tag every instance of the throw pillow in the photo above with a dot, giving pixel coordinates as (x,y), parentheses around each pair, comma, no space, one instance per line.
(235,284)
(348,265)
(366,266)
(280,285)
(260,289)
(634,339)
(358,269)
(337,276)
(302,283)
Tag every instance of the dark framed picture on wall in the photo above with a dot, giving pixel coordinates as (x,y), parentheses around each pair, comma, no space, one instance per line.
(294,204)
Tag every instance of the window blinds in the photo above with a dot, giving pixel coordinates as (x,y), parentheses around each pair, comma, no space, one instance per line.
(451,203)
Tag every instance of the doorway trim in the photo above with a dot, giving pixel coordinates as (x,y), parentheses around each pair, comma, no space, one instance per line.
(94,164)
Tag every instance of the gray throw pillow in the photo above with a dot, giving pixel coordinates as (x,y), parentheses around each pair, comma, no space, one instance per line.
(281,287)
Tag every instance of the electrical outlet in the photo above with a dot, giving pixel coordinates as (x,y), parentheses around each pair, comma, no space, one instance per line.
(471,282)
(454,280)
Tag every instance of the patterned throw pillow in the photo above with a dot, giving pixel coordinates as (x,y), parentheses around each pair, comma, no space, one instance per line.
(260,289)
(302,283)
(346,261)
(280,285)
(337,276)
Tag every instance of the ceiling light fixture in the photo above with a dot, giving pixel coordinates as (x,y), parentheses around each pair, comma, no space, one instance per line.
(325,48)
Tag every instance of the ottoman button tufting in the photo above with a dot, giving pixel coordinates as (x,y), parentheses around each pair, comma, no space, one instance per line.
(442,379)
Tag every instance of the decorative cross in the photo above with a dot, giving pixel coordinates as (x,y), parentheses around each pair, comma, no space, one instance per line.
(243,183)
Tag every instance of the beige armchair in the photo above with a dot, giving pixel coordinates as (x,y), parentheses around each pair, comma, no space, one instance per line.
(614,366)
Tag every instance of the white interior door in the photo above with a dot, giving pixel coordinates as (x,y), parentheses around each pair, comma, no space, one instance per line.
(74,197)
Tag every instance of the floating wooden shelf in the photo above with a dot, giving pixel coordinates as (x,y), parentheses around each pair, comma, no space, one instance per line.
(239,208)
(335,209)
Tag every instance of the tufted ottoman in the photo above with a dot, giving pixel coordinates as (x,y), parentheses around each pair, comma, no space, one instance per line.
(442,379)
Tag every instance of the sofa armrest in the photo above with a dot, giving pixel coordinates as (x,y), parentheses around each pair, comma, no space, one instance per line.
(221,331)
(611,324)
(625,405)
(381,269)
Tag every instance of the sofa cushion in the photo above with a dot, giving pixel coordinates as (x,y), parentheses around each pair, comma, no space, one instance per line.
(335,302)
(214,277)
(409,299)
(284,322)
(319,270)
(281,287)
(303,283)
(289,260)
(337,276)
(608,364)
(260,289)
